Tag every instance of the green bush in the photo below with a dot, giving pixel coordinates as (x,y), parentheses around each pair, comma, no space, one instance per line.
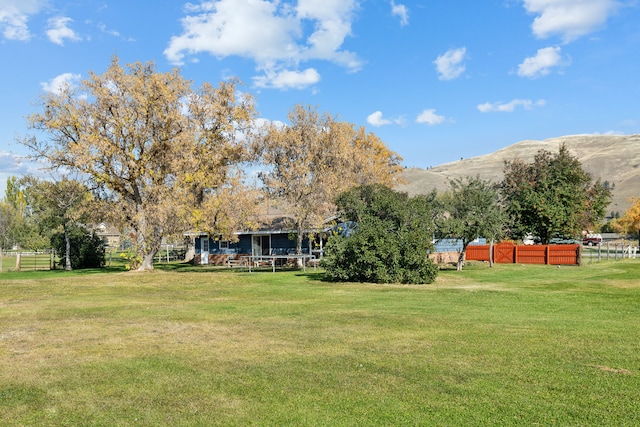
(389,243)
(87,249)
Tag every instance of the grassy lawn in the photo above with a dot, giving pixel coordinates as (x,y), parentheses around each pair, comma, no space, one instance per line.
(511,345)
(30,262)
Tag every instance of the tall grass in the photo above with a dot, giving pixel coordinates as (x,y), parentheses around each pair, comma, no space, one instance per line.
(510,345)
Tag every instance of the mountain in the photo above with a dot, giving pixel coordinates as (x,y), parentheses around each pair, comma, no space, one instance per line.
(612,158)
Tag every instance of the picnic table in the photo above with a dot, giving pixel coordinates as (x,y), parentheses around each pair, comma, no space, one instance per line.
(257,260)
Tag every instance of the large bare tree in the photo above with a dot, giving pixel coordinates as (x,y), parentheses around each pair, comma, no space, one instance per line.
(154,145)
(314,158)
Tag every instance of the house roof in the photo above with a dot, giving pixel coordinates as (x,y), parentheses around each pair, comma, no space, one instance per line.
(275,225)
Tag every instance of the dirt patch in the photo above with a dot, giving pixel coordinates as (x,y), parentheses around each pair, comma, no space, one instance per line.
(612,370)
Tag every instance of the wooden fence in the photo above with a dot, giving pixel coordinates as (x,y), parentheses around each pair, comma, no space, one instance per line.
(27,261)
(508,253)
(609,251)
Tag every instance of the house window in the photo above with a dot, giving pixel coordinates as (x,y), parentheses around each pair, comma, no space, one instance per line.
(224,244)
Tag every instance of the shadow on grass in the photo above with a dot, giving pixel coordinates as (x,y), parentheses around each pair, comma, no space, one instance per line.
(316,276)
(43,274)
(176,267)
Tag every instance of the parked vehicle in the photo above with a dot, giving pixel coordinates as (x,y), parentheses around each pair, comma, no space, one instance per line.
(561,240)
(592,240)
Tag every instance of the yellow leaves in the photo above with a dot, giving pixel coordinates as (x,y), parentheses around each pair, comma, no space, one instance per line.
(316,157)
(376,163)
(630,221)
(228,209)
(148,139)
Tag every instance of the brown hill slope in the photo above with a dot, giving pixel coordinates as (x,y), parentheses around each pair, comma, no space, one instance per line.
(612,158)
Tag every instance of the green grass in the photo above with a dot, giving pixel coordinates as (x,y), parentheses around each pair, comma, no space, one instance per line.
(510,345)
(29,262)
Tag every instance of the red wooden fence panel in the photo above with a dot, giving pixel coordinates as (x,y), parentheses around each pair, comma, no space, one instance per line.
(477,253)
(508,253)
(564,254)
(504,253)
(531,254)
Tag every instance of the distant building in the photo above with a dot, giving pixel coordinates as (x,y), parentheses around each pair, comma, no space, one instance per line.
(109,234)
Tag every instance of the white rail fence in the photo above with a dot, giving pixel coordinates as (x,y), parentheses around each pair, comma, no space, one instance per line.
(610,251)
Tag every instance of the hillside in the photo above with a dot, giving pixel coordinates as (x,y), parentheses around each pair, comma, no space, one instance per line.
(611,158)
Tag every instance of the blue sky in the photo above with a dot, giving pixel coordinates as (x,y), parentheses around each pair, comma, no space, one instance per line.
(437,80)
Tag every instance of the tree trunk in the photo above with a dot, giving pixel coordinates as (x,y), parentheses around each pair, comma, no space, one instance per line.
(67,255)
(18,256)
(491,253)
(149,252)
(148,241)
(299,238)
(461,259)
(147,262)
(191,249)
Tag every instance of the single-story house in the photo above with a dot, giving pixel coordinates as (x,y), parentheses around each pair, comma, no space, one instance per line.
(273,240)
(454,245)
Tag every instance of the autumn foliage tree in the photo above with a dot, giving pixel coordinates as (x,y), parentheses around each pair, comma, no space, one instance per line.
(314,158)
(154,146)
(630,221)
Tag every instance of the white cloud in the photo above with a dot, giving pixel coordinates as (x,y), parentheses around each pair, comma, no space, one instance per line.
(509,107)
(288,79)
(223,28)
(450,64)
(14,165)
(276,35)
(10,163)
(430,117)
(541,64)
(58,30)
(56,84)
(376,119)
(569,19)
(106,30)
(401,12)
(14,15)
(262,123)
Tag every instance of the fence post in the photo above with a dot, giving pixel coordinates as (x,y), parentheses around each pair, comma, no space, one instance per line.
(546,255)
(490,253)
(579,255)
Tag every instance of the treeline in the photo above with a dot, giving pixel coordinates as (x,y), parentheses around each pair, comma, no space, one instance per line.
(550,197)
(161,157)
(155,156)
